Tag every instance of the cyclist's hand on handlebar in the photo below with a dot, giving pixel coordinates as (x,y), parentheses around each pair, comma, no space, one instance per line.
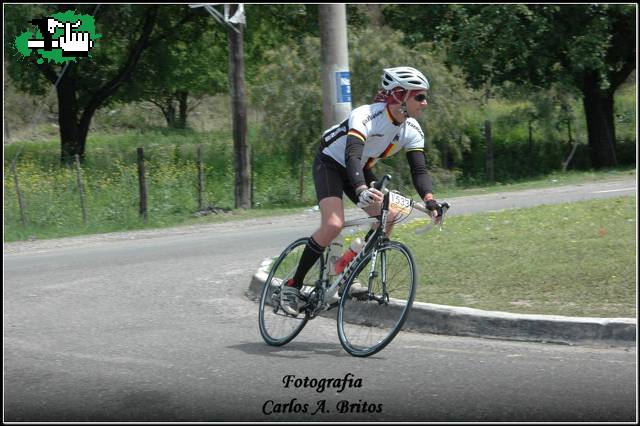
(434,207)
(368,196)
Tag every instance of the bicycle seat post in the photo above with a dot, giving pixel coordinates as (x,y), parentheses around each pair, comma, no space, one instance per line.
(335,251)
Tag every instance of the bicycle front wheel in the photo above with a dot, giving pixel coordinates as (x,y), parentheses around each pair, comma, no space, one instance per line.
(368,323)
(276,326)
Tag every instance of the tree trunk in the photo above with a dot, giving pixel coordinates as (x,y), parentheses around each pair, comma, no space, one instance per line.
(598,107)
(182,109)
(74,131)
(70,143)
(239,109)
(169,112)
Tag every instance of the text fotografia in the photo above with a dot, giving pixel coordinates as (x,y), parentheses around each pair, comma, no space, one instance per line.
(321,384)
(294,405)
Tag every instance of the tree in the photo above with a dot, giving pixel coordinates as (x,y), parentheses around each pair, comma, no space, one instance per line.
(95,82)
(176,75)
(590,48)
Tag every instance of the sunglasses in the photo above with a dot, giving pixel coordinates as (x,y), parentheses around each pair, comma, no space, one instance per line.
(420,98)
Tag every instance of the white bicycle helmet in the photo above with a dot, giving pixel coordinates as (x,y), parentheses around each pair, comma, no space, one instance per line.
(405,77)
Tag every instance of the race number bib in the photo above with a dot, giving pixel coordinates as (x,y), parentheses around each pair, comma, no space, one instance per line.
(399,203)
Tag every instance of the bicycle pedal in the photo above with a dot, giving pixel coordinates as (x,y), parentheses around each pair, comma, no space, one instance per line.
(360,296)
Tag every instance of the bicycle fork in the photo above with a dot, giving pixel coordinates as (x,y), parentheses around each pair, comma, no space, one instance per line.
(373,274)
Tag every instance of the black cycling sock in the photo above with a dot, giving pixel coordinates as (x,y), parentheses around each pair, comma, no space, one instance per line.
(312,252)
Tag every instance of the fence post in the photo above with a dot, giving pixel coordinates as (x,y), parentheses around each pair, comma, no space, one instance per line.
(200,177)
(81,190)
(23,217)
(142,185)
(489,151)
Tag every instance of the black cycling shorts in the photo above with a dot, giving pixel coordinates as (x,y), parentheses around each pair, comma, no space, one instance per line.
(331,179)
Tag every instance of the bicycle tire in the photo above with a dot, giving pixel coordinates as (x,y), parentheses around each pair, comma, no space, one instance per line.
(365,327)
(276,327)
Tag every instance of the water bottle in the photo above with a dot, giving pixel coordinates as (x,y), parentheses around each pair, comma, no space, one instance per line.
(354,249)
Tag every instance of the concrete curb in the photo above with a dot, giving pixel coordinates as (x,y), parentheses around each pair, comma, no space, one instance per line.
(460,321)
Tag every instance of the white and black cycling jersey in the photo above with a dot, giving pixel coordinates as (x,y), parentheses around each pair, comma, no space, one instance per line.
(381,134)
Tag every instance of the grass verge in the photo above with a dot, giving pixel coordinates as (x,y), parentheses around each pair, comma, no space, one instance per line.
(567,259)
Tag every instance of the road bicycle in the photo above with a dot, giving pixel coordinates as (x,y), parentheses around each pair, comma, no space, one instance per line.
(367,321)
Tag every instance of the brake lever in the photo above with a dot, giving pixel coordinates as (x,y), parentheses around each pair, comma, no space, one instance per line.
(435,221)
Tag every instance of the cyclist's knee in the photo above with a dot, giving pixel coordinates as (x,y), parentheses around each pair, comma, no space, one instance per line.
(332,229)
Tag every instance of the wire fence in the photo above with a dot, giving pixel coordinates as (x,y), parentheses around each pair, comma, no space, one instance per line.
(128,194)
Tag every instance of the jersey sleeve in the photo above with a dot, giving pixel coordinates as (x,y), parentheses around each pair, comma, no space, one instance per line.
(413,137)
(359,123)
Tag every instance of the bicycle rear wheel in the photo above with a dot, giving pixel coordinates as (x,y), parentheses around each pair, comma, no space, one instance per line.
(366,324)
(276,326)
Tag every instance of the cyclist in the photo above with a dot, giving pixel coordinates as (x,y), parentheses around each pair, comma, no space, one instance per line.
(346,155)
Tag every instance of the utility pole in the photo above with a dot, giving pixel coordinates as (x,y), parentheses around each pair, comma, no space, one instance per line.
(234,14)
(239,111)
(334,53)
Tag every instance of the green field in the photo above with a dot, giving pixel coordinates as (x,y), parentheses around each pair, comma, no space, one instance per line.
(576,259)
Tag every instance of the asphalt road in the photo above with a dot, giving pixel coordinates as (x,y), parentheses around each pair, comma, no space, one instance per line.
(155,326)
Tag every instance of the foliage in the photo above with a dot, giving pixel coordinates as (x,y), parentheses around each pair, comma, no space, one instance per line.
(89,84)
(114,22)
(271,26)
(526,44)
(193,63)
(289,92)
(588,49)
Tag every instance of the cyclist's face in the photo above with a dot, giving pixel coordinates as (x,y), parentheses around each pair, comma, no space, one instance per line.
(417,102)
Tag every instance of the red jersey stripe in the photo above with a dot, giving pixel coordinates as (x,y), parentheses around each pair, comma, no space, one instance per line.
(387,151)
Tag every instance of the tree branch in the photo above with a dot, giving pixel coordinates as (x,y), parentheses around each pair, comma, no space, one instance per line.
(47,70)
(196,103)
(162,35)
(621,76)
(125,72)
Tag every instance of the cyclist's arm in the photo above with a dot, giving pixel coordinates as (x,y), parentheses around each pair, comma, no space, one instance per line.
(369,176)
(419,174)
(353,160)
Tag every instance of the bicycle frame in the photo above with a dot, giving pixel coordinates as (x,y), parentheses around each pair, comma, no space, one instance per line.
(378,236)
(329,291)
